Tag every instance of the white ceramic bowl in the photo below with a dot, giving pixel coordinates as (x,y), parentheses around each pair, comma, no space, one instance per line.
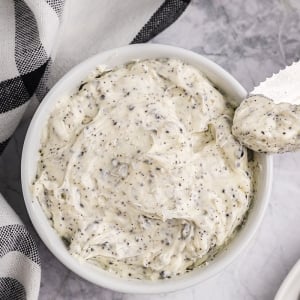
(30,156)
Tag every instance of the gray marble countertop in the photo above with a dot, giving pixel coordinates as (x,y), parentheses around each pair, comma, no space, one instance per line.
(250,39)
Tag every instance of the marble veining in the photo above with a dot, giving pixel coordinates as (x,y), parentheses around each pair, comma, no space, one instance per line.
(251,39)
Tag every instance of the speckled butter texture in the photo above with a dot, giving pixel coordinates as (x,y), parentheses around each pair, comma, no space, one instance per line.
(139,172)
(265,126)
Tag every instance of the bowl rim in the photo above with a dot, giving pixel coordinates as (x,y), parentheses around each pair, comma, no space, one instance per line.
(45,231)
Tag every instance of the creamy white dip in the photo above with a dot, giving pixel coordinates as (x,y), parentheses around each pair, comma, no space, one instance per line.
(139,172)
(264,126)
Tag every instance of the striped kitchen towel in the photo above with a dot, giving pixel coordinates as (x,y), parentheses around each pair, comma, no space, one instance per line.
(20,271)
(28,31)
(31,32)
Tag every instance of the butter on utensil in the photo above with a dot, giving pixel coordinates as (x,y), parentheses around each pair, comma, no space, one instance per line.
(269,119)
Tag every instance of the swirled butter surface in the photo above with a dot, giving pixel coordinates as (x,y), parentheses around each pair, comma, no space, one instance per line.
(139,172)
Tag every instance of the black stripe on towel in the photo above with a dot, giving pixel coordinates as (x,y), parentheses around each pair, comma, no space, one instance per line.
(166,14)
(17,238)
(29,51)
(11,289)
(13,94)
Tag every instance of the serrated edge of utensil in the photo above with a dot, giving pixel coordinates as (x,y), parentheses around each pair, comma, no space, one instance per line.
(271,77)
